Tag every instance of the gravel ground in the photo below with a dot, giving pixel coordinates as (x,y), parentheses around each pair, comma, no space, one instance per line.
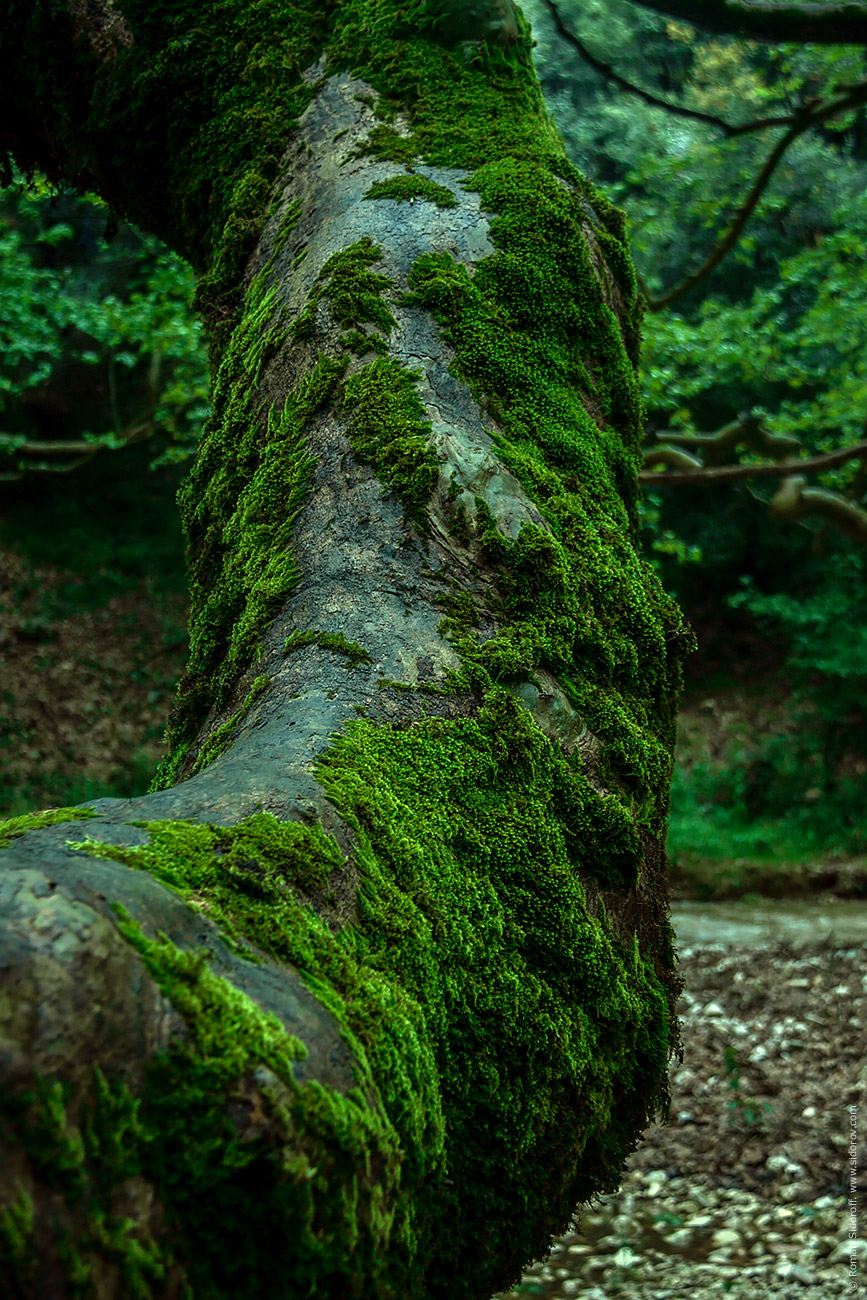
(746,1190)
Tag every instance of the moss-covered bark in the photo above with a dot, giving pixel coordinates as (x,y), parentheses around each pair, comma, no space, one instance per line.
(377,983)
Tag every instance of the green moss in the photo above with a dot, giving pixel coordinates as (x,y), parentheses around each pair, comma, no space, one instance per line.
(466,105)
(17,1244)
(360,343)
(390,430)
(471,838)
(346,1199)
(530,329)
(241,870)
(405,189)
(239,503)
(353,292)
(15,826)
(61,1149)
(91,1167)
(287,225)
(237,1153)
(220,739)
(336,641)
(227,1026)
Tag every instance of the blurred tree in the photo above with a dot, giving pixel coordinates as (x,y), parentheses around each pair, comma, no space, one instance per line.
(797,308)
(100,349)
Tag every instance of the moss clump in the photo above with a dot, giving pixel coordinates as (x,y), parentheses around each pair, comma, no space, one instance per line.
(405,189)
(240,870)
(388,428)
(242,496)
(220,738)
(15,826)
(390,431)
(472,836)
(287,224)
(360,343)
(91,1167)
(353,292)
(336,641)
(466,105)
(17,1244)
(342,1182)
(475,982)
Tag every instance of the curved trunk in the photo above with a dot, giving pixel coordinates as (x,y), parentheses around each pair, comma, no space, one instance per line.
(378,984)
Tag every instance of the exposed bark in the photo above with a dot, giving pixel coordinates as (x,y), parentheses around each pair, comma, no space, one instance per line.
(416,801)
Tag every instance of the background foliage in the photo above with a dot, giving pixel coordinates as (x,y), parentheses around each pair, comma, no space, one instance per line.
(103,390)
(780,328)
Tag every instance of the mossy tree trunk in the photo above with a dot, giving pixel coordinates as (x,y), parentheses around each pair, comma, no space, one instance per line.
(377,983)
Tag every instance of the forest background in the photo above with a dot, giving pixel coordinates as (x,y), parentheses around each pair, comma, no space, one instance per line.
(103,393)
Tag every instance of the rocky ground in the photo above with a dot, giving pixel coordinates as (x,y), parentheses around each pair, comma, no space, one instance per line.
(745,1191)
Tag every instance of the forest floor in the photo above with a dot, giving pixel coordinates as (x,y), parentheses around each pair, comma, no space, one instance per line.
(87,675)
(748,814)
(745,1189)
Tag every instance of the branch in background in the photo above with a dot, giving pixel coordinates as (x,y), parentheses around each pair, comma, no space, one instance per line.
(764,20)
(813,114)
(83,450)
(728,473)
(678,110)
(794,500)
(747,430)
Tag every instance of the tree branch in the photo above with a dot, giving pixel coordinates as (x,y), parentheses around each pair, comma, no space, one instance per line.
(678,110)
(728,473)
(794,500)
(763,20)
(811,115)
(747,429)
(82,449)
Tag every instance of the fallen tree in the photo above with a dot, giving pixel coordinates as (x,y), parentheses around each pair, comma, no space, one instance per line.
(377,983)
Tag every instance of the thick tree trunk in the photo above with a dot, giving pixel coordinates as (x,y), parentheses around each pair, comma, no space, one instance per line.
(379,983)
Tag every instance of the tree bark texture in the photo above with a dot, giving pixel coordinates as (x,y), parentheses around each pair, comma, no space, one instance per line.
(377,983)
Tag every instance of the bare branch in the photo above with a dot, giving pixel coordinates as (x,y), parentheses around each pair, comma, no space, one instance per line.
(678,110)
(764,20)
(747,429)
(813,114)
(46,469)
(728,473)
(677,460)
(83,449)
(794,500)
